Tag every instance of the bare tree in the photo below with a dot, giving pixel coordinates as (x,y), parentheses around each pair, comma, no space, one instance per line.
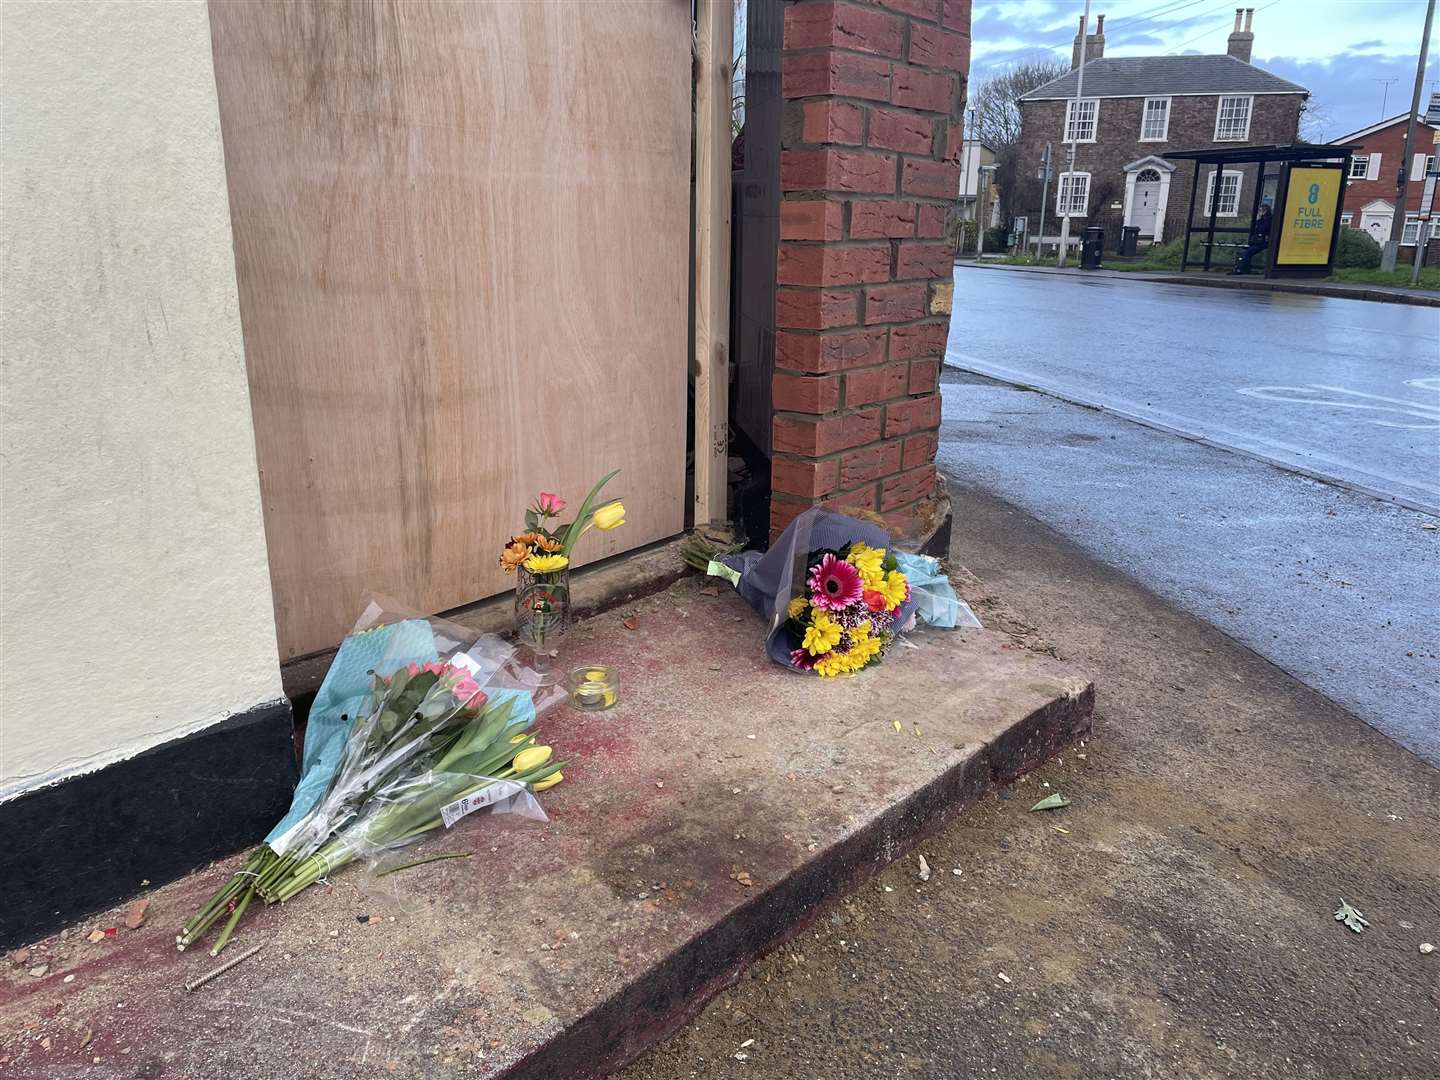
(995,120)
(995,105)
(1315,121)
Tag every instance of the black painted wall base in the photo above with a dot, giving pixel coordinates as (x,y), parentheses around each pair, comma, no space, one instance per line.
(83,844)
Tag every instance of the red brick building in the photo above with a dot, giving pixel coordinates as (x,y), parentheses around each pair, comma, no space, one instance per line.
(1135,109)
(1370,191)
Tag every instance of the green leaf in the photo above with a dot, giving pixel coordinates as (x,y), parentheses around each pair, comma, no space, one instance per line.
(583,515)
(1350,916)
(1051,802)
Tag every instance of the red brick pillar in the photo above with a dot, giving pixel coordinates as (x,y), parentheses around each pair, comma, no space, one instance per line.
(869,170)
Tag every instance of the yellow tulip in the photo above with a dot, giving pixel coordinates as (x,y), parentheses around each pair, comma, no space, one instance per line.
(524,736)
(610,516)
(549,782)
(531,758)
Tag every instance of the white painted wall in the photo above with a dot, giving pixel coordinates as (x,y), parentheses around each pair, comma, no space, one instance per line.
(135,591)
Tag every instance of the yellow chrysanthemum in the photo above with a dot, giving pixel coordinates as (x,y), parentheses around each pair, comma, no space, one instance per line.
(893,589)
(865,650)
(822,635)
(870,562)
(545,564)
(798,606)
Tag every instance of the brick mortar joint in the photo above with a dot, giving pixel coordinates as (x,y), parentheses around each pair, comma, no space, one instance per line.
(928,69)
(836,455)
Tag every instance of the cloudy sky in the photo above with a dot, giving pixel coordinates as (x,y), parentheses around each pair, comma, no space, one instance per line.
(1337,48)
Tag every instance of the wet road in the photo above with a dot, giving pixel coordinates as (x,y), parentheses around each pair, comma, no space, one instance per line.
(1333,584)
(1343,389)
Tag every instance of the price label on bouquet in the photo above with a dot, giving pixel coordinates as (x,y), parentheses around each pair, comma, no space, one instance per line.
(466,661)
(478,800)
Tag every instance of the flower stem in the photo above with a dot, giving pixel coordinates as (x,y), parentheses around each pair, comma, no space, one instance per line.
(235,918)
(428,858)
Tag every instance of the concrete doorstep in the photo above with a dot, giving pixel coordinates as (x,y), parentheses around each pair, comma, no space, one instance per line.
(720,807)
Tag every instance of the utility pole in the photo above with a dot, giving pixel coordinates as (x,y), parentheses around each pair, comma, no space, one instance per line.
(1074,143)
(1045,172)
(1384,93)
(1397,220)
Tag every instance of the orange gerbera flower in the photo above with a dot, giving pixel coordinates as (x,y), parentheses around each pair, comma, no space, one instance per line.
(538,541)
(514,554)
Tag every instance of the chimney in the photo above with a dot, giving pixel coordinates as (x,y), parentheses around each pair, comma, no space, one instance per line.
(1095,43)
(1241,39)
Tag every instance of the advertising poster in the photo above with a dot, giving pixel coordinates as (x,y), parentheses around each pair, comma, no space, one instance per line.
(1310,216)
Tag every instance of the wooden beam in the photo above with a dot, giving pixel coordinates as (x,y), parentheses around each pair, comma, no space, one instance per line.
(715,23)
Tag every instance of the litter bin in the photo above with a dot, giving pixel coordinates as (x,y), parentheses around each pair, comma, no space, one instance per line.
(1129,239)
(1092,247)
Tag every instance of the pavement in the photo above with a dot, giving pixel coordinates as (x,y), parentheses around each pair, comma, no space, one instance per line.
(1175,921)
(1335,586)
(1384,294)
(723,804)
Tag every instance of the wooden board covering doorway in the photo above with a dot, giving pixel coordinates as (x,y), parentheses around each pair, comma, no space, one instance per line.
(461,240)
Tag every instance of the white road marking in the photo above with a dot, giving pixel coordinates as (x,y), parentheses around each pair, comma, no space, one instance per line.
(1296,395)
(1297,459)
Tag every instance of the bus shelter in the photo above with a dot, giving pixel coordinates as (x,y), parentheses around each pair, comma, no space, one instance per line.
(1309,190)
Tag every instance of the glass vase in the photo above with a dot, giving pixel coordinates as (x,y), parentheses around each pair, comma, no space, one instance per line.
(542,612)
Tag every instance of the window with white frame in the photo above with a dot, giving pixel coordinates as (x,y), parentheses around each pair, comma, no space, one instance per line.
(1359,166)
(1411,233)
(1155,121)
(1232,118)
(1347,218)
(1073,195)
(1081,118)
(1225,200)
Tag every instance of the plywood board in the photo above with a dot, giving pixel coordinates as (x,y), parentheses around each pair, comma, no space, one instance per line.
(461,237)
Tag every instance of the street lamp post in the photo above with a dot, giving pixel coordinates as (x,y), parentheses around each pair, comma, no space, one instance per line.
(1075,142)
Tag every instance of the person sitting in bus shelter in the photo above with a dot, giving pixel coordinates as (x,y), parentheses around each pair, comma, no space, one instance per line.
(1259,240)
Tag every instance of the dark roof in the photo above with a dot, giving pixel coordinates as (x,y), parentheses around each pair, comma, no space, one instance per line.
(1269,152)
(1156,76)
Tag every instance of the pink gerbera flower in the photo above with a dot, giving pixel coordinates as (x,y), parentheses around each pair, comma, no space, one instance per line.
(835,584)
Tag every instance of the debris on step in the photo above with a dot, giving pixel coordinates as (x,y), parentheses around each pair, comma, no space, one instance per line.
(1054,801)
(135,914)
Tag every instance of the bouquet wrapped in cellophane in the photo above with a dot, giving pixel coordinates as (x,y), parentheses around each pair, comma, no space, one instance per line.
(836,592)
(418,722)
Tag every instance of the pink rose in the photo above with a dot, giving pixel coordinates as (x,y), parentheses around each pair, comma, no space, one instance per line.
(550,505)
(435,667)
(413,670)
(465,690)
